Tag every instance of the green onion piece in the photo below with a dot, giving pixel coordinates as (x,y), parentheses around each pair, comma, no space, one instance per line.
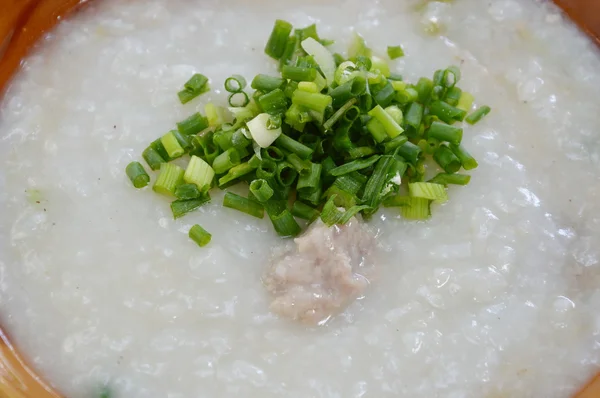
(266,83)
(153,158)
(381,65)
(159,147)
(260,132)
(416,209)
(313,197)
(331,215)
(226,160)
(298,74)
(377,130)
(414,115)
(352,114)
(273,102)
(339,113)
(385,95)
(398,85)
(172,146)
(375,184)
(293,146)
(358,47)
(304,211)
(239,140)
(284,223)
(286,174)
(169,178)
(235,83)
(200,173)
(275,47)
(360,152)
(428,190)
(311,87)
(313,101)
(199,235)
(355,165)
(183,140)
(395,52)
(215,114)
(467,161)
(351,183)
(237,171)
(291,48)
(272,153)
(238,100)
(445,132)
(187,191)
(424,88)
(198,84)
(397,201)
(266,169)
(244,205)
(478,114)
(180,208)
(390,146)
(297,163)
(392,128)
(322,57)
(261,190)
(343,199)
(451,76)
(453,96)
(465,102)
(446,112)
(223,139)
(407,95)
(136,173)
(395,113)
(193,124)
(455,179)
(310,178)
(446,159)
(410,152)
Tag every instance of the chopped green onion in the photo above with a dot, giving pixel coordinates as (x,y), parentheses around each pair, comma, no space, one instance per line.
(214,114)
(384,95)
(244,205)
(286,174)
(451,76)
(200,173)
(358,47)
(266,169)
(455,179)
(446,112)
(313,101)
(414,115)
(331,215)
(193,124)
(355,165)
(445,132)
(169,178)
(389,124)
(339,113)
(236,172)
(180,208)
(453,96)
(199,235)
(235,83)
(428,190)
(298,74)
(275,47)
(478,114)
(446,159)
(238,100)
(226,161)
(273,102)
(467,161)
(261,190)
(351,183)
(284,223)
(395,52)
(376,183)
(304,211)
(391,145)
(360,152)
(136,173)
(153,158)
(172,146)
(311,87)
(424,88)
(266,83)
(377,130)
(410,152)
(293,146)
(197,85)
(414,208)
(322,57)
(310,178)
(260,132)
(187,191)
(465,102)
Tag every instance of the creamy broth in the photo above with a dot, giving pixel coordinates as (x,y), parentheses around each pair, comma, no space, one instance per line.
(496,296)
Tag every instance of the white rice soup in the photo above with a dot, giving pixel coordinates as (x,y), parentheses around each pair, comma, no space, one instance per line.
(495,296)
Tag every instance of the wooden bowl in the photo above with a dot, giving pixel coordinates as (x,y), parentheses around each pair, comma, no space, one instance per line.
(22,23)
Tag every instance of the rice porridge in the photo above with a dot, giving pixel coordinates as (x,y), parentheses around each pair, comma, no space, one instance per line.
(495,296)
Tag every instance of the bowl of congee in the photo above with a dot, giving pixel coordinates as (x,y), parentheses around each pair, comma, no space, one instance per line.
(341,199)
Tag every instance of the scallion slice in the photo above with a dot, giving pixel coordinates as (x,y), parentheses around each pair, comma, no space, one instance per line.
(428,190)
(235,83)
(138,176)
(260,132)
(455,179)
(200,173)
(478,114)
(244,205)
(275,47)
(261,190)
(181,207)
(169,178)
(395,52)
(200,235)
